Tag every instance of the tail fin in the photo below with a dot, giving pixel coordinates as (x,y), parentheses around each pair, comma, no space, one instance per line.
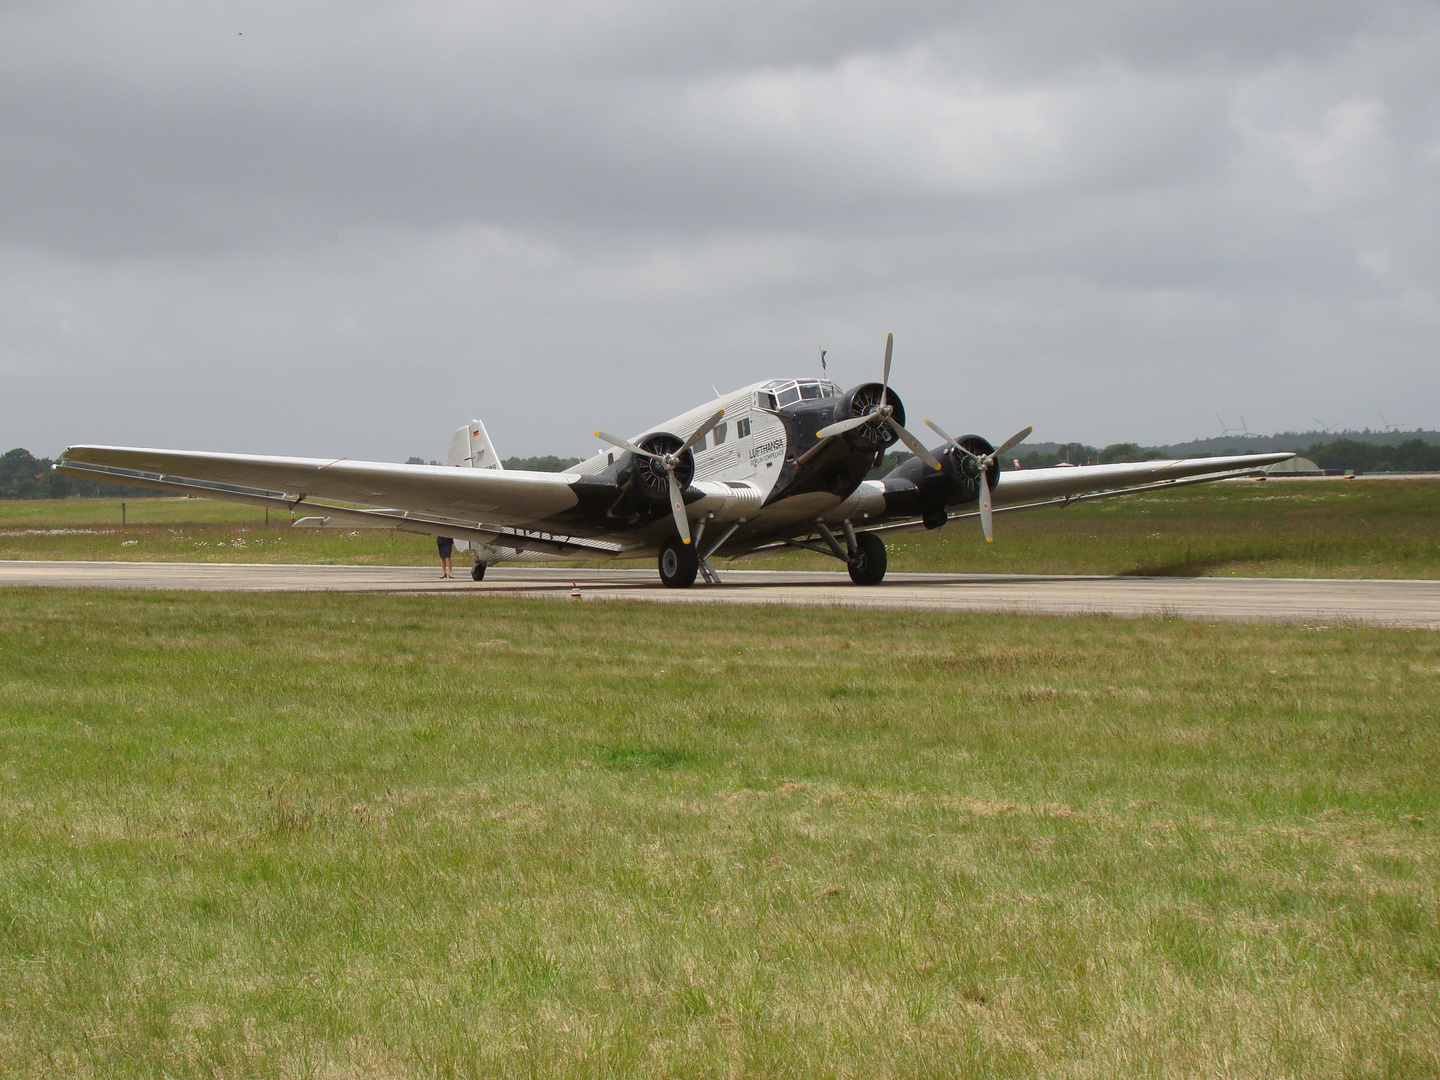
(471,448)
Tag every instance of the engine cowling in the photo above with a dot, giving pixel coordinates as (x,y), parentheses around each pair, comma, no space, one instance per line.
(650,475)
(966,470)
(862,401)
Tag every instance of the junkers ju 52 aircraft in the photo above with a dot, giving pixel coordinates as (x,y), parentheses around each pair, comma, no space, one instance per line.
(775,465)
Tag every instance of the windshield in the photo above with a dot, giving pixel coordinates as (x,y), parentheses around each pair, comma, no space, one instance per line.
(781,393)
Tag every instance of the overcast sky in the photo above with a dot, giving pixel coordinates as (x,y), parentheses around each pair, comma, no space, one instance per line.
(308,228)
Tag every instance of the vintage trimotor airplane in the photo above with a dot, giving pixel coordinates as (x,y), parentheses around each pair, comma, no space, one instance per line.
(774,465)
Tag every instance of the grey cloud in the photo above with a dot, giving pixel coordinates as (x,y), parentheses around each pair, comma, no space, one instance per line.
(1123,215)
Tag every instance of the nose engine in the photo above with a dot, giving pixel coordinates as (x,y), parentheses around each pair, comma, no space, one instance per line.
(862,401)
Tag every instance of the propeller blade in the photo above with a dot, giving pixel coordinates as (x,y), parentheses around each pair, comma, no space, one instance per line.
(842,426)
(625,444)
(939,431)
(677,504)
(1014,440)
(952,441)
(916,447)
(987,522)
(703,430)
(889,348)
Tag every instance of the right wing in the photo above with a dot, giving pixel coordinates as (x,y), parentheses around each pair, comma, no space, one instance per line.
(491,506)
(490,495)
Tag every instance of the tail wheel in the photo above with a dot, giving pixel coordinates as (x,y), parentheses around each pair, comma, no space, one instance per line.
(868,565)
(477,572)
(679,563)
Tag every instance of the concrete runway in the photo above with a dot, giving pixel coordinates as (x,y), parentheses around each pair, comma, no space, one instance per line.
(1309,600)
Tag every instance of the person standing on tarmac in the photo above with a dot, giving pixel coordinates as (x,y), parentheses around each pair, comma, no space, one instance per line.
(447,549)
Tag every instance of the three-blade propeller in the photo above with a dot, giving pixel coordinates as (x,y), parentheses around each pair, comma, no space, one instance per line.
(983,463)
(883,413)
(670,462)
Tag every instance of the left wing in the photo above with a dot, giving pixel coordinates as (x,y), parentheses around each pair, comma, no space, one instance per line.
(901,504)
(1040,500)
(1043,485)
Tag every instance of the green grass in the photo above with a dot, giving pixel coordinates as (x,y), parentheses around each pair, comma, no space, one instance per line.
(350,836)
(1342,529)
(192,530)
(1364,528)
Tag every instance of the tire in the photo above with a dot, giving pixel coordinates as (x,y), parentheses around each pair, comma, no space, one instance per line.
(679,563)
(477,572)
(868,566)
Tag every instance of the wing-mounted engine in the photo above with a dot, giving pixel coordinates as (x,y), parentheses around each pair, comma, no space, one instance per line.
(865,400)
(645,482)
(978,464)
(649,472)
(963,469)
(660,467)
(920,490)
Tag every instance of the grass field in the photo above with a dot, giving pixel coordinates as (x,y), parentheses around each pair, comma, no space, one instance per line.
(1364,528)
(354,836)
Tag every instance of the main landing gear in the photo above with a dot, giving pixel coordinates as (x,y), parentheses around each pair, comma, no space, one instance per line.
(477,572)
(679,563)
(867,564)
(862,553)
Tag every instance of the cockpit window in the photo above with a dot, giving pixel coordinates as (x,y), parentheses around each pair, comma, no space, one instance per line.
(780,393)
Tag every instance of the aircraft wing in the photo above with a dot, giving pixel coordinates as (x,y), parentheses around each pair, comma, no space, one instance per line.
(1060,482)
(1031,489)
(493,496)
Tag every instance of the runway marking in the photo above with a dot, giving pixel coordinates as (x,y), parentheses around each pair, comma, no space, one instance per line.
(1311,600)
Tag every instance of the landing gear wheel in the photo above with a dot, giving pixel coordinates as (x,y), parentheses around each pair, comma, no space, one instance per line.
(679,564)
(868,565)
(477,572)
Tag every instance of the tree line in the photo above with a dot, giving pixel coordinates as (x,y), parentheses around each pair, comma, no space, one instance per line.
(1412,455)
(24,476)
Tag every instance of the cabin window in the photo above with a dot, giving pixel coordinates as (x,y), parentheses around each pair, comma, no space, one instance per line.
(719,433)
(699,444)
(742,428)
